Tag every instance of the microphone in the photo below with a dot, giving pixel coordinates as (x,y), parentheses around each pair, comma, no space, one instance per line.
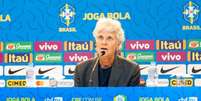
(93,69)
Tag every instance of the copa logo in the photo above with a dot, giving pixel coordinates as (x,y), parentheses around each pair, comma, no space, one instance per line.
(112,15)
(191,15)
(18,57)
(78,45)
(67,16)
(5,18)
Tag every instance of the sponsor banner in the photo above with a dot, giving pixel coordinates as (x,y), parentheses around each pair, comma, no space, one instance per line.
(18,57)
(48,57)
(77,56)
(163,83)
(194,44)
(48,46)
(21,99)
(139,44)
(69,69)
(2,83)
(15,70)
(140,56)
(194,69)
(170,44)
(55,83)
(150,98)
(1,70)
(197,82)
(18,46)
(78,45)
(16,83)
(186,82)
(171,56)
(49,70)
(1,46)
(1,57)
(194,56)
(171,69)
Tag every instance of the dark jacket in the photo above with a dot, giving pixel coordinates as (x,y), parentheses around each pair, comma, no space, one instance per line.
(124,73)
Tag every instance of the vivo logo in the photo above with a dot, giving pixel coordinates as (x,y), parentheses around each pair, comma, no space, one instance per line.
(77,56)
(171,56)
(140,45)
(48,46)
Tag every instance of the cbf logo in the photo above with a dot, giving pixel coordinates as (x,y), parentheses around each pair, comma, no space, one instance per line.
(120,98)
(67,14)
(191,12)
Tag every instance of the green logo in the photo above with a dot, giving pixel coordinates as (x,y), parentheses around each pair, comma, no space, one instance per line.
(18,47)
(140,56)
(48,57)
(120,98)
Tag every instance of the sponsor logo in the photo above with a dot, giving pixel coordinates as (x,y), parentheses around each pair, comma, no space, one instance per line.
(54,99)
(194,44)
(191,14)
(140,44)
(15,70)
(1,70)
(163,83)
(48,69)
(61,83)
(192,98)
(170,44)
(78,45)
(2,83)
(181,82)
(1,46)
(69,69)
(18,57)
(44,71)
(18,46)
(140,56)
(48,46)
(197,82)
(112,15)
(48,57)
(194,56)
(77,56)
(5,18)
(154,98)
(120,98)
(87,99)
(171,56)
(1,57)
(67,16)
(194,69)
(16,83)
(20,99)
(171,69)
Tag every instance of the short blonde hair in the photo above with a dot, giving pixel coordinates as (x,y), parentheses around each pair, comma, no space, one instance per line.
(106,23)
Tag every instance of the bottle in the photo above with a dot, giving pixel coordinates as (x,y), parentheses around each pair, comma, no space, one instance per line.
(152,79)
(30,76)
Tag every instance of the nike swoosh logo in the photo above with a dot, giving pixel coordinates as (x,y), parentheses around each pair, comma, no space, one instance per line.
(168,70)
(71,71)
(14,71)
(44,71)
(195,70)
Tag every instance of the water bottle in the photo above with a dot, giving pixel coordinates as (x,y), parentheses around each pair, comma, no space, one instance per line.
(152,79)
(30,76)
